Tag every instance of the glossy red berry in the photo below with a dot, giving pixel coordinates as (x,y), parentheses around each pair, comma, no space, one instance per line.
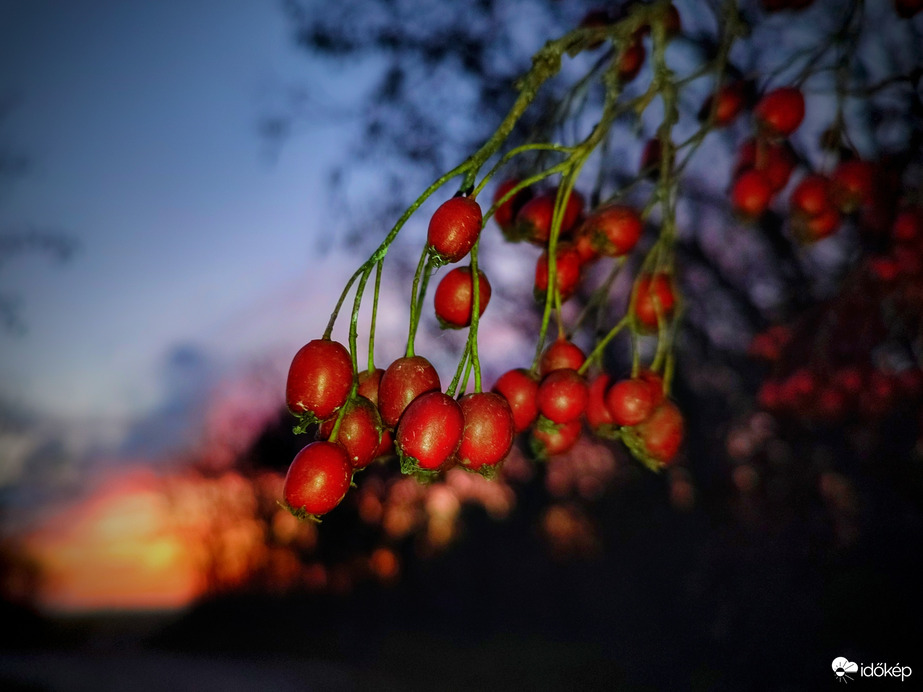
(630,401)
(662,432)
(567,272)
(489,430)
(536,216)
(454,228)
(520,390)
(319,379)
(317,479)
(613,230)
(505,213)
(561,353)
(404,380)
(359,432)
(654,295)
(562,395)
(780,112)
(368,384)
(597,412)
(454,299)
(430,431)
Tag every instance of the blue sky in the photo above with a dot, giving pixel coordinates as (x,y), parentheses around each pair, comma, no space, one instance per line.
(140,122)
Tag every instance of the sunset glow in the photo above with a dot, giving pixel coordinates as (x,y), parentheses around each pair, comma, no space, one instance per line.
(114,551)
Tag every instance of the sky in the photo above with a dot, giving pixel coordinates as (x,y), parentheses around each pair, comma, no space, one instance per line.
(140,123)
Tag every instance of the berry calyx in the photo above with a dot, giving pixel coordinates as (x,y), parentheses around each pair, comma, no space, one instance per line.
(630,401)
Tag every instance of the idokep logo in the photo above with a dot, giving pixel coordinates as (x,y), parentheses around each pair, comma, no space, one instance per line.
(845,670)
(842,668)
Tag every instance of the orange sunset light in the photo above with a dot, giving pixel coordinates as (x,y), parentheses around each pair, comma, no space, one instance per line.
(146,542)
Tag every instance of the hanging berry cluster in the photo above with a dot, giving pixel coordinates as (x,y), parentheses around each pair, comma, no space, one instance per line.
(542,199)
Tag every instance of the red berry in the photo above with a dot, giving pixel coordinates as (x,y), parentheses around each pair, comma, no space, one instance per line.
(630,401)
(454,228)
(811,196)
(751,194)
(429,431)
(561,354)
(774,160)
(535,218)
(728,102)
(567,273)
(780,112)
(654,295)
(613,230)
(812,228)
(597,412)
(562,395)
(317,479)
(662,432)
(520,390)
(454,298)
(404,380)
(319,379)
(631,61)
(505,214)
(852,185)
(359,432)
(549,439)
(908,225)
(368,384)
(489,430)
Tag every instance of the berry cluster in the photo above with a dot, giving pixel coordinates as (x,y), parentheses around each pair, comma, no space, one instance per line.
(589,236)
(403,409)
(863,365)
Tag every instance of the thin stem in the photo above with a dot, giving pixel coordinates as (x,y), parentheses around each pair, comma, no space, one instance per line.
(414,303)
(475,316)
(602,343)
(374,320)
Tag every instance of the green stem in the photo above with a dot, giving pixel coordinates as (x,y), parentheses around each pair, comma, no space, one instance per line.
(374,320)
(602,343)
(475,316)
(414,303)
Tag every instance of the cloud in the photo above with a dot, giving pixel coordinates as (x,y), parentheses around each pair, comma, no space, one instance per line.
(844,665)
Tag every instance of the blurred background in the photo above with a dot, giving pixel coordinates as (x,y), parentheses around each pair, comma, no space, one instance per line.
(184,190)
